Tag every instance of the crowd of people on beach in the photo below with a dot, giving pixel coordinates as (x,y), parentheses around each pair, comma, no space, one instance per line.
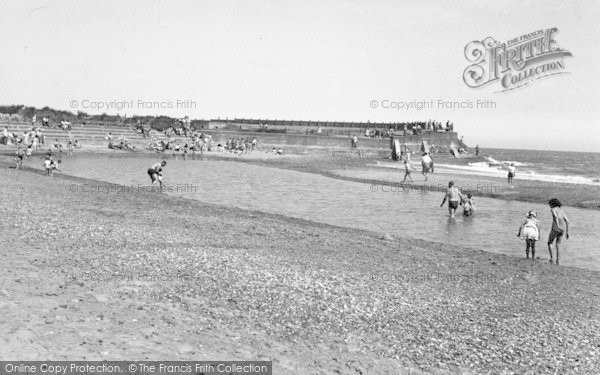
(34,139)
(410,128)
(46,123)
(50,164)
(201,142)
(31,141)
(11,117)
(182,127)
(121,143)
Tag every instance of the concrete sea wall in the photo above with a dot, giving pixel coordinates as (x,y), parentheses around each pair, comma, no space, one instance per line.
(444,141)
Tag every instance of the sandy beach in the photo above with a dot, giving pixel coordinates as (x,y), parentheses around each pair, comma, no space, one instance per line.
(188,280)
(188,183)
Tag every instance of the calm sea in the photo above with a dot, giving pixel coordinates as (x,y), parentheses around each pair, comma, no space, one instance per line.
(412,214)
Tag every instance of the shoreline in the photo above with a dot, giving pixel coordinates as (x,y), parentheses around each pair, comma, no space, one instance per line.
(377,187)
(241,286)
(369,171)
(344,168)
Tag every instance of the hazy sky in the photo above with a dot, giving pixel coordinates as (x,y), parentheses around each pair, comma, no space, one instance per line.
(311,60)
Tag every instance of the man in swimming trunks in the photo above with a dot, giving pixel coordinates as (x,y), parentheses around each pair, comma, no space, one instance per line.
(453,196)
(155,173)
(560,226)
(468,204)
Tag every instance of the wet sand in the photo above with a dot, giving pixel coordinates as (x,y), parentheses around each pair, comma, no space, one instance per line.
(148,276)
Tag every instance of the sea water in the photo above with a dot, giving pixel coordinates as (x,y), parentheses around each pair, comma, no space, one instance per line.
(551,166)
(412,214)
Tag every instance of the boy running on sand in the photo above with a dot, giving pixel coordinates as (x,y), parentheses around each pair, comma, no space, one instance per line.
(530,232)
(454,196)
(155,173)
(560,225)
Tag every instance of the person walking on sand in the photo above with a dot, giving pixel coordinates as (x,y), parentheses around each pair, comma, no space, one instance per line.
(48,165)
(407,171)
(530,232)
(453,196)
(511,174)
(19,158)
(560,226)
(427,164)
(155,173)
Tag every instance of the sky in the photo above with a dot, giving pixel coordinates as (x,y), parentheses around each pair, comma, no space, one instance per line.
(303,60)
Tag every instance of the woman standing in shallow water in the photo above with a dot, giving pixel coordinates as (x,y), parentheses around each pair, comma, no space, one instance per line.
(560,226)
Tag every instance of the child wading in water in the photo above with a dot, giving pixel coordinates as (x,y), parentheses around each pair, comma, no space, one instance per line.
(468,204)
(560,225)
(530,232)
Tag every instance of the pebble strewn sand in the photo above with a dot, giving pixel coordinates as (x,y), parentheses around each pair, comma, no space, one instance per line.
(140,276)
